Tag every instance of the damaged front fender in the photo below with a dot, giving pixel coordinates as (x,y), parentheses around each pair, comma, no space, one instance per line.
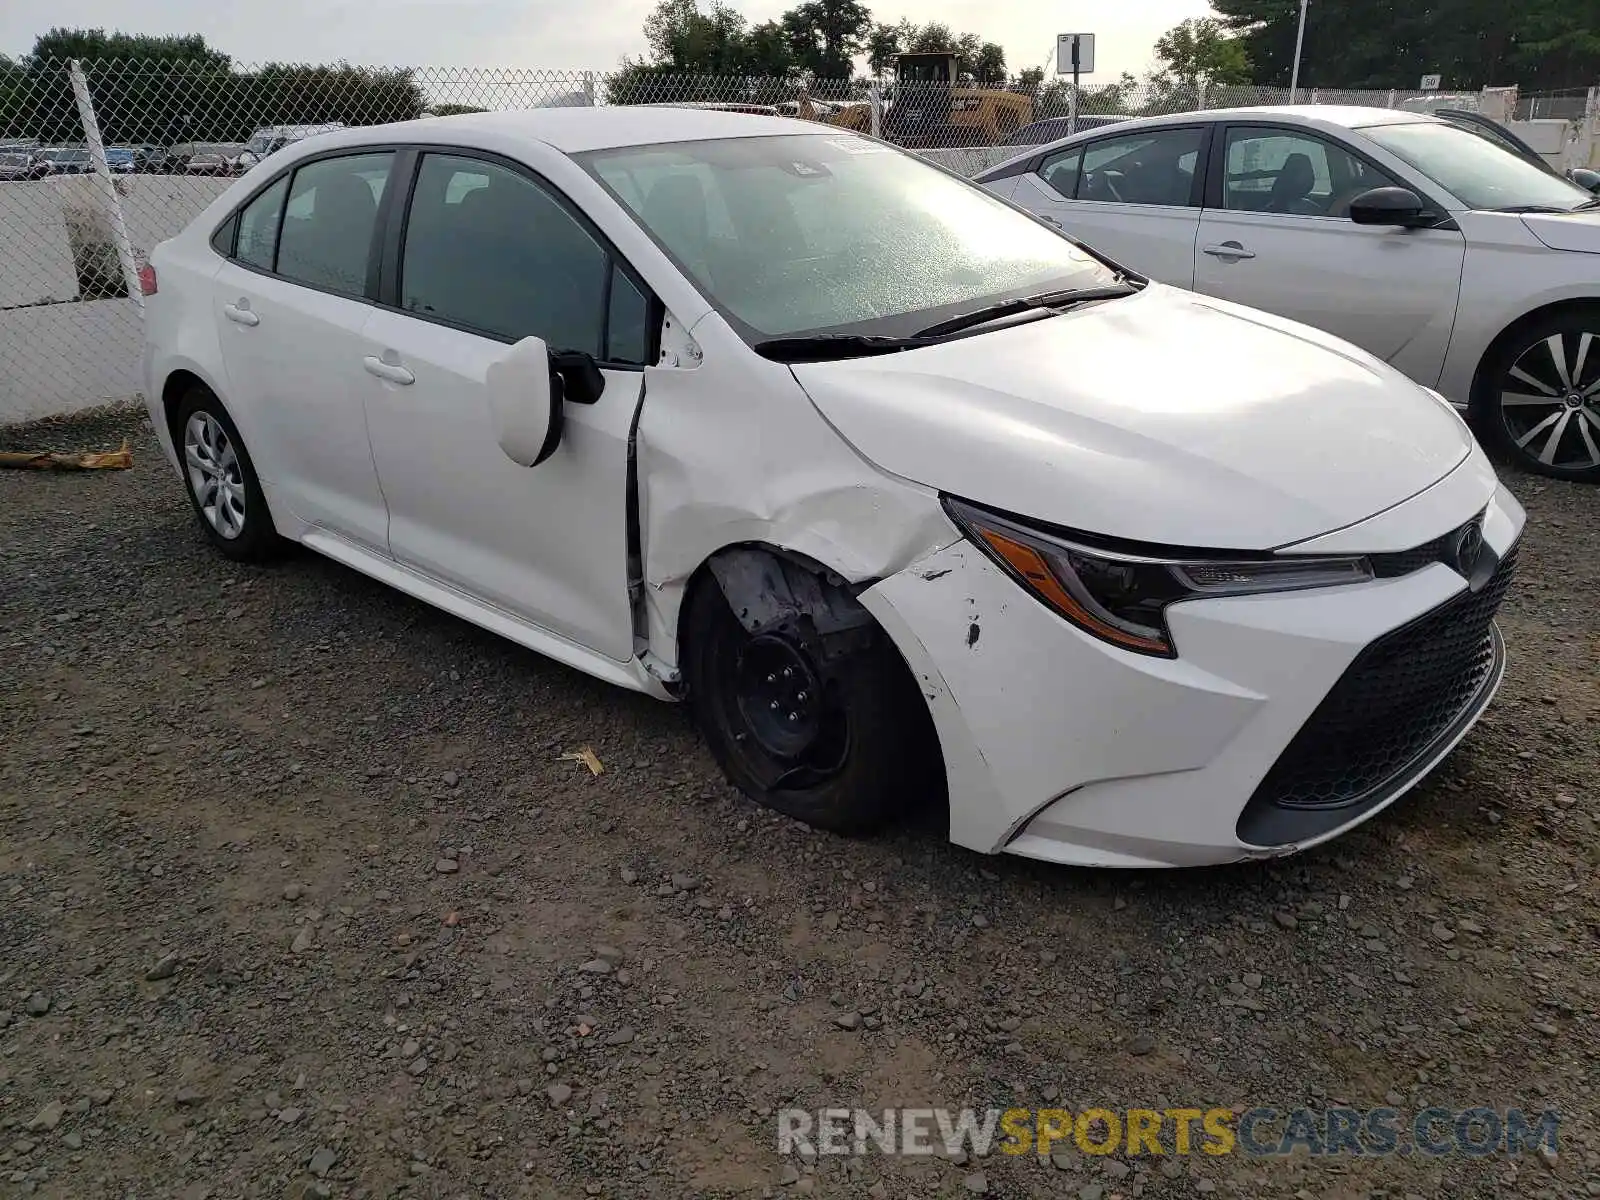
(732,453)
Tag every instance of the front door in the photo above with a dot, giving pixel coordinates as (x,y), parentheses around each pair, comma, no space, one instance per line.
(491,256)
(1278,236)
(290,307)
(1133,197)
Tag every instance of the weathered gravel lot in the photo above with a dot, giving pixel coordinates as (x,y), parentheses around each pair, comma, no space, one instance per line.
(299,896)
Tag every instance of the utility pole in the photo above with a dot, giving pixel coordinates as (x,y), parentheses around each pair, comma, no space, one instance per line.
(1299,40)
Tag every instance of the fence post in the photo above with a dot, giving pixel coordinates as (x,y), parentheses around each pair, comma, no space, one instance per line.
(875,98)
(108,189)
(1392,96)
(1200,95)
(588,87)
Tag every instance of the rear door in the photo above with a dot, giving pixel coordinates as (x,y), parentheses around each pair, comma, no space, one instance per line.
(1134,196)
(1276,234)
(290,304)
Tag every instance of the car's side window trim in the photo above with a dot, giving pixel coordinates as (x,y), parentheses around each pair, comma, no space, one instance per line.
(387,291)
(369,292)
(1197,186)
(1216,178)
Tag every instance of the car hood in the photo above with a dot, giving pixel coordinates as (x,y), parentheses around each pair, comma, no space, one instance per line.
(1566,231)
(1165,417)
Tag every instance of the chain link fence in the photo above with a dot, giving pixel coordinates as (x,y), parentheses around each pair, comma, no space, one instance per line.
(78,219)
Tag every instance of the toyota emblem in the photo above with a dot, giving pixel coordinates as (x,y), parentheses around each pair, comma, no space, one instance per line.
(1469,545)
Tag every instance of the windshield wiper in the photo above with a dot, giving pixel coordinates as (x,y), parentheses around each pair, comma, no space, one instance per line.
(1022,304)
(825,347)
(1588,204)
(1531,208)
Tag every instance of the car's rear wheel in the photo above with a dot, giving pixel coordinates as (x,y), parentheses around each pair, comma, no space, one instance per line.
(1541,402)
(221,480)
(842,742)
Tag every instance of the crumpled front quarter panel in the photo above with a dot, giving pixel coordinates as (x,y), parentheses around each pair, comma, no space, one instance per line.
(732,451)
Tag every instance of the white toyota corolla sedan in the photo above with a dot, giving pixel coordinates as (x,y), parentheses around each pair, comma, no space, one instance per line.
(1445,254)
(864,463)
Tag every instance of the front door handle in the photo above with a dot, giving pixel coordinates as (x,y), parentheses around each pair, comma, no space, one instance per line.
(392,371)
(240,313)
(1231,250)
(1052,221)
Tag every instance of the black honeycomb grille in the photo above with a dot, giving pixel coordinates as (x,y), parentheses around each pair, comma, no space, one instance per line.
(1398,698)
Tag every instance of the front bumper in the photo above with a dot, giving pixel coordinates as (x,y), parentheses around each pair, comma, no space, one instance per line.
(1060,747)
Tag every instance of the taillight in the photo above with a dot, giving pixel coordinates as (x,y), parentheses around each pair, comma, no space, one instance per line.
(147,280)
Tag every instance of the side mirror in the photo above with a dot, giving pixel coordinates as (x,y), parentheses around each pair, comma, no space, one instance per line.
(1586,179)
(525,402)
(1391,206)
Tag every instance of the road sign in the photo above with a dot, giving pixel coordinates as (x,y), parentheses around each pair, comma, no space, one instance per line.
(1430,83)
(1075,54)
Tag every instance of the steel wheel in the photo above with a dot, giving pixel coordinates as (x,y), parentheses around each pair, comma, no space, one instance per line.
(214,473)
(1549,402)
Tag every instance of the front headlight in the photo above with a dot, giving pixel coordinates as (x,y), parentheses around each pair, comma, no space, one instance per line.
(1121,596)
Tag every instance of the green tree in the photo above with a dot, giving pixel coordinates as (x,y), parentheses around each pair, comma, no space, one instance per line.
(883,43)
(1537,44)
(826,35)
(1200,51)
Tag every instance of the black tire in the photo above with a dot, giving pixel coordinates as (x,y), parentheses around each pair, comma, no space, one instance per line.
(256,539)
(875,756)
(1522,432)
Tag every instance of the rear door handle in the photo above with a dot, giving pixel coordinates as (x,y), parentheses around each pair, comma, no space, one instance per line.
(1052,221)
(1228,250)
(240,314)
(393,372)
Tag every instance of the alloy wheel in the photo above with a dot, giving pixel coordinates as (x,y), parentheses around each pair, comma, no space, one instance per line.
(1550,401)
(214,474)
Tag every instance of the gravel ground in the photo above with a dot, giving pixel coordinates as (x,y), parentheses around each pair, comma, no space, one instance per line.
(300,896)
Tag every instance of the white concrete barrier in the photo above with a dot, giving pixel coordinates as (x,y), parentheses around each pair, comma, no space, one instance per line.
(60,352)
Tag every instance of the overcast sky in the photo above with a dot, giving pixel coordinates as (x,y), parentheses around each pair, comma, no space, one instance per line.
(560,34)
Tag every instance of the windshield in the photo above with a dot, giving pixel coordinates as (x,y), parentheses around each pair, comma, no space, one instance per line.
(1482,174)
(807,233)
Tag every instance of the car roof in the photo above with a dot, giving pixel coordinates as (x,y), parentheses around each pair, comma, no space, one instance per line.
(576,130)
(1313,116)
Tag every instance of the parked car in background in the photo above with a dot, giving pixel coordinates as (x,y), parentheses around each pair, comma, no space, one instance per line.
(121,161)
(211,158)
(18,165)
(1053,129)
(64,160)
(151,159)
(862,462)
(1459,262)
(266,142)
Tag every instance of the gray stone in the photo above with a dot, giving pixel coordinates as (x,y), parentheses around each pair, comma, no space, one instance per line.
(322,1161)
(166,967)
(558,1094)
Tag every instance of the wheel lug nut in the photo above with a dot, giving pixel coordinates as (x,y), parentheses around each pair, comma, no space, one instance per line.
(794,716)
(772,679)
(801,697)
(787,672)
(774,706)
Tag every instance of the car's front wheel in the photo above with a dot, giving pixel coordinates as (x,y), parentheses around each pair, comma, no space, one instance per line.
(1541,403)
(841,741)
(221,480)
